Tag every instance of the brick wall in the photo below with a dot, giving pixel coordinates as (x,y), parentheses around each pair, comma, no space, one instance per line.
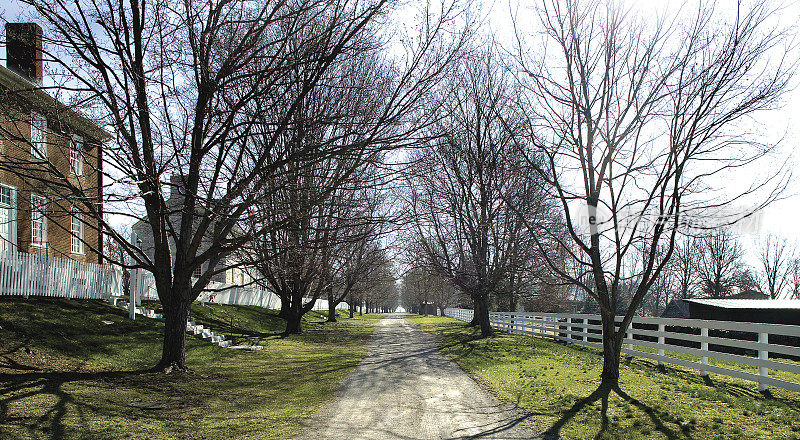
(48,180)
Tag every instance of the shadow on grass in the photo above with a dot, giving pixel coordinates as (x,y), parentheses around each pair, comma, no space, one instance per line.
(602,394)
(725,387)
(37,385)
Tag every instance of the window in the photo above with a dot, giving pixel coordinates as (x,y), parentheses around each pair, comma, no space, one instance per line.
(76,156)
(38,136)
(7,219)
(197,271)
(76,227)
(6,196)
(38,221)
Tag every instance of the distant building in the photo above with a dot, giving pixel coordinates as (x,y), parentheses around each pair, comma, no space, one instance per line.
(771,311)
(143,239)
(50,145)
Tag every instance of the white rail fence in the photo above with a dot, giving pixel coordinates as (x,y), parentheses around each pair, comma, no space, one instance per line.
(35,275)
(742,343)
(143,286)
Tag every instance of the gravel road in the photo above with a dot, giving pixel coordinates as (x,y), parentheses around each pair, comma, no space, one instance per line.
(406,389)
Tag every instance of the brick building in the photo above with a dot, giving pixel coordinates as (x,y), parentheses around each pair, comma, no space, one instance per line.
(46,151)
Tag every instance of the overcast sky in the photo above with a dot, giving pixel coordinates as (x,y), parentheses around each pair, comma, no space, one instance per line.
(781,218)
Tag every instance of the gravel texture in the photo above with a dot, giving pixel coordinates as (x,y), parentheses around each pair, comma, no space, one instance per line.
(406,389)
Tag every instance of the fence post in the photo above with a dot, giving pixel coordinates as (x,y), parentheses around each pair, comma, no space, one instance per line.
(585,329)
(704,349)
(629,335)
(29,285)
(661,341)
(513,323)
(134,290)
(763,341)
(569,329)
(70,272)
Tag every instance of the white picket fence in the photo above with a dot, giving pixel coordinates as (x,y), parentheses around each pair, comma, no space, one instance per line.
(28,275)
(143,286)
(35,275)
(662,335)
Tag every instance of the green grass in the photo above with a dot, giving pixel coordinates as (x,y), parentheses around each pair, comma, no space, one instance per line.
(64,374)
(253,325)
(556,384)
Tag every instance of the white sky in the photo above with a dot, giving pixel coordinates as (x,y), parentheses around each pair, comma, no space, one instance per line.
(781,218)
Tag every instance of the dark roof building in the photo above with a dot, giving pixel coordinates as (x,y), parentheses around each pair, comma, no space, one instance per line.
(771,311)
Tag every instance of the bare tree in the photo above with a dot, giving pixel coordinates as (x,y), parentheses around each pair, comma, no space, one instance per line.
(665,286)
(414,290)
(719,264)
(747,282)
(424,286)
(326,205)
(379,288)
(630,123)
(197,89)
(684,264)
(443,295)
(299,262)
(359,267)
(460,223)
(794,279)
(776,266)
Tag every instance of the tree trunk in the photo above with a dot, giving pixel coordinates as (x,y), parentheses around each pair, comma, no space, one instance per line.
(331,311)
(612,348)
(476,320)
(285,312)
(352,308)
(293,326)
(173,354)
(483,316)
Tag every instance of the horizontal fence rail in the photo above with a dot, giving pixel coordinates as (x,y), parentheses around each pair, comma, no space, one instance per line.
(747,344)
(143,286)
(36,275)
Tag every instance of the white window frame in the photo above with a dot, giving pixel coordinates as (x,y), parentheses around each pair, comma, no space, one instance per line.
(198,271)
(10,203)
(38,220)
(38,136)
(76,147)
(76,231)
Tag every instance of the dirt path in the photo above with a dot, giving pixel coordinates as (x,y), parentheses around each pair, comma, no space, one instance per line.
(406,389)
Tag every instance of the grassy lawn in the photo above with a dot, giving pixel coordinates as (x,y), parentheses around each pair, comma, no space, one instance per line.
(254,325)
(556,384)
(65,374)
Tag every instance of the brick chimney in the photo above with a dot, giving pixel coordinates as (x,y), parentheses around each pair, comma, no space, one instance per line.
(24,50)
